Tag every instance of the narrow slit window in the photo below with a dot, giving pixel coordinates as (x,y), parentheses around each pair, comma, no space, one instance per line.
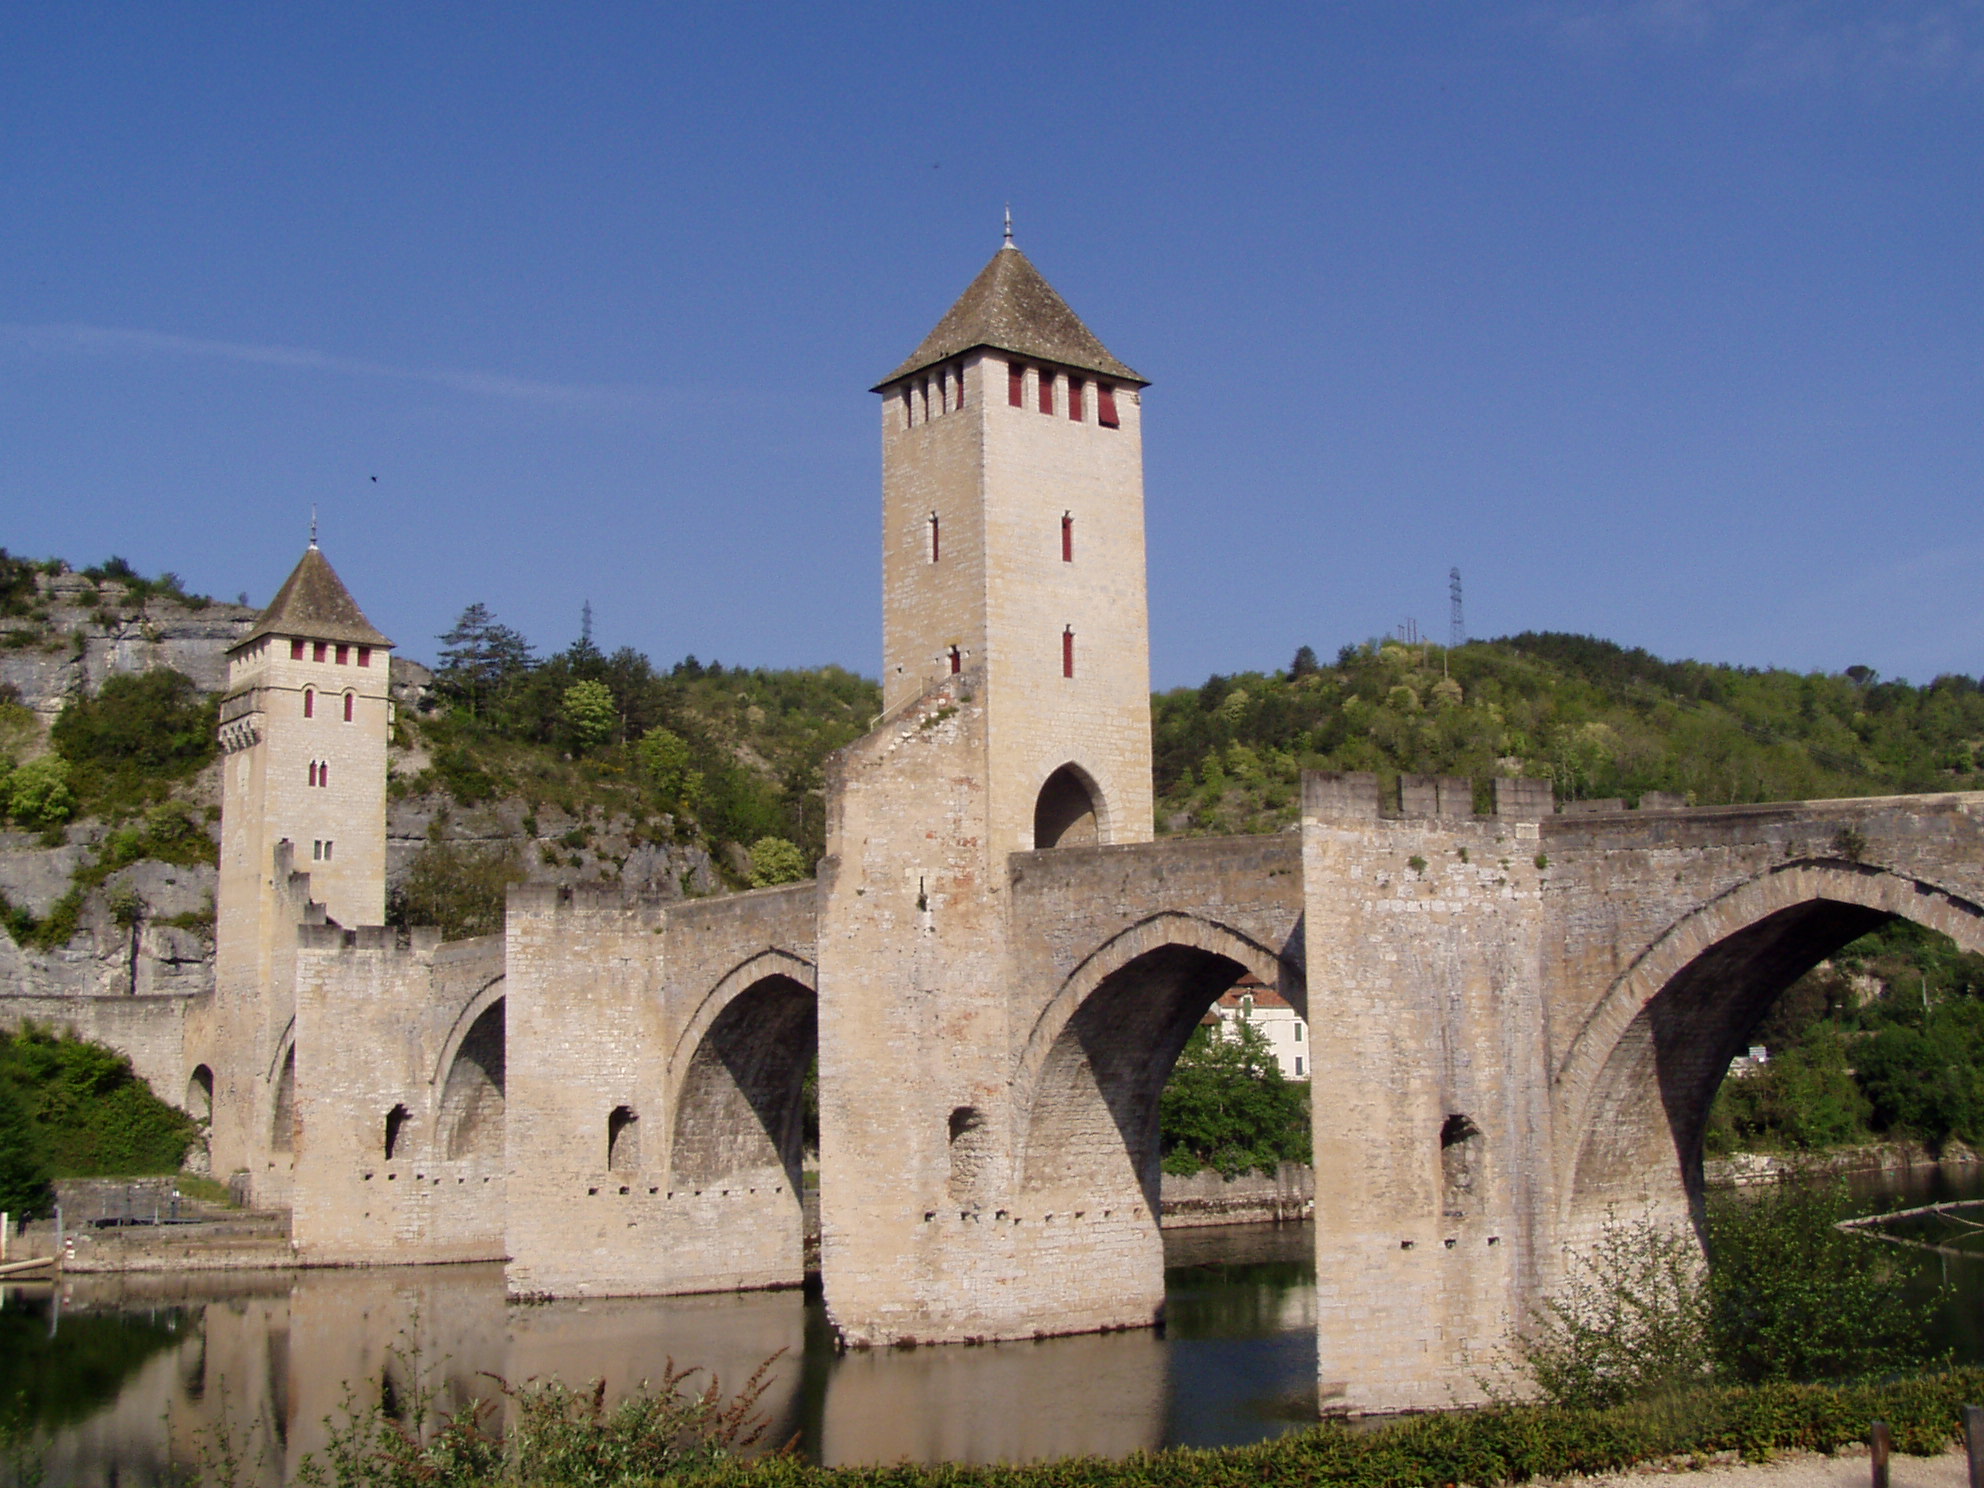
(957,661)
(1105,406)
(365,656)
(309,702)
(349,702)
(319,650)
(1068,651)
(936,539)
(313,773)
(328,845)
(1075,409)
(1046,391)
(926,400)
(1016,384)
(960,376)
(908,408)
(344,655)
(1067,537)
(317,850)
(323,773)
(296,650)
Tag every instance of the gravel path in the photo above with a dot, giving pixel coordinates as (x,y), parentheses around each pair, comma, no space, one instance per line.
(1850,1469)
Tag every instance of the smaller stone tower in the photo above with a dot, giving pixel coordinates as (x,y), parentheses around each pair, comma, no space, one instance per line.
(1013,550)
(303,732)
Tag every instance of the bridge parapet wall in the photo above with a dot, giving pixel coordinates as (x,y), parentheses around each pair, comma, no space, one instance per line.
(375,1013)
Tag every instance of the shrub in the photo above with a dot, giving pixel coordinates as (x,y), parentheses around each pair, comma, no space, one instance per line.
(92,1113)
(588,714)
(38,793)
(24,1166)
(1630,1321)
(1793,1297)
(135,737)
(775,861)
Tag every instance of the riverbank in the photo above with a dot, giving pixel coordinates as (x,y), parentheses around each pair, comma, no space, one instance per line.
(1741,1169)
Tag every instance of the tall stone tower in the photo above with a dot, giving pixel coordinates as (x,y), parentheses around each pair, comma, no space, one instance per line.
(1016,718)
(303,733)
(1013,548)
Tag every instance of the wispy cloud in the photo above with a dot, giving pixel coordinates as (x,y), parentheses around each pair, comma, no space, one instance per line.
(1785,43)
(85,340)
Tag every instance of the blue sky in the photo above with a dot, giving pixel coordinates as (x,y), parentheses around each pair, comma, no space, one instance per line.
(1661,319)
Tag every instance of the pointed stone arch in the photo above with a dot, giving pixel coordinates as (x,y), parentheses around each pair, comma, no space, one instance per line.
(1070,810)
(1631,1095)
(1086,1082)
(736,1078)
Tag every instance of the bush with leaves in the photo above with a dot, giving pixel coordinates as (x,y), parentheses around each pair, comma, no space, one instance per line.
(775,861)
(1629,1320)
(1786,1296)
(91,1113)
(24,1165)
(668,764)
(1228,1106)
(140,734)
(38,793)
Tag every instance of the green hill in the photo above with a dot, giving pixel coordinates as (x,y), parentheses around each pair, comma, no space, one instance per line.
(1598,719)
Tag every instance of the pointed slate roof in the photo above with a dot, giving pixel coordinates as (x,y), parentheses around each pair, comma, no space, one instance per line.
(314,603)
(1010,307)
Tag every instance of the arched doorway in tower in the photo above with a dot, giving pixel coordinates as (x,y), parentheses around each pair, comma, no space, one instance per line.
(1068,810)
(1637,1101)
(737,1142)
(472,1100)
(200,1094)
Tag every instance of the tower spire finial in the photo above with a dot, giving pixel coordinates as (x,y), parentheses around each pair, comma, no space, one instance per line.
(313,524)
(1009,225)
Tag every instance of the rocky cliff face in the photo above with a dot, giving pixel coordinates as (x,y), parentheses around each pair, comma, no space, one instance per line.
(81,631)
(147,929)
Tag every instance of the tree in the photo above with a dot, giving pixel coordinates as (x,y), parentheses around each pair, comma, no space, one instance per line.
(1304,665)
(479,656)
(775,861)
(24,1170)
(1228,1106)
(460,889)
(588,714)
(141,731)
(665,760)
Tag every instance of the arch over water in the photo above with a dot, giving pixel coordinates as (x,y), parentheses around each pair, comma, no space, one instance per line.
(1098,1057)
(469,1119)
(1632,1094)
(1069,811)
(739,1090)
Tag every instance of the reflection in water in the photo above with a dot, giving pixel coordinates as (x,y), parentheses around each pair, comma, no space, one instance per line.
(131,1372)
(123,1375)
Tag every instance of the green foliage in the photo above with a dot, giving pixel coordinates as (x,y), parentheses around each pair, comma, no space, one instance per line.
(775,861)
(589,715)
(1787,1296)
(17,586)
(698,752)
(1597,719)
(458,887)
(38,793)
(1227,1106)
(1884,1041)
(1631,1320)
(1793,1297)
(87,1110)
(24,1166)
(1503,1444)
(556,1435)
(666,760)
(139,735)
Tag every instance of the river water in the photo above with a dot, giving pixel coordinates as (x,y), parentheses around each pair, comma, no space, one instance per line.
(122,1377)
